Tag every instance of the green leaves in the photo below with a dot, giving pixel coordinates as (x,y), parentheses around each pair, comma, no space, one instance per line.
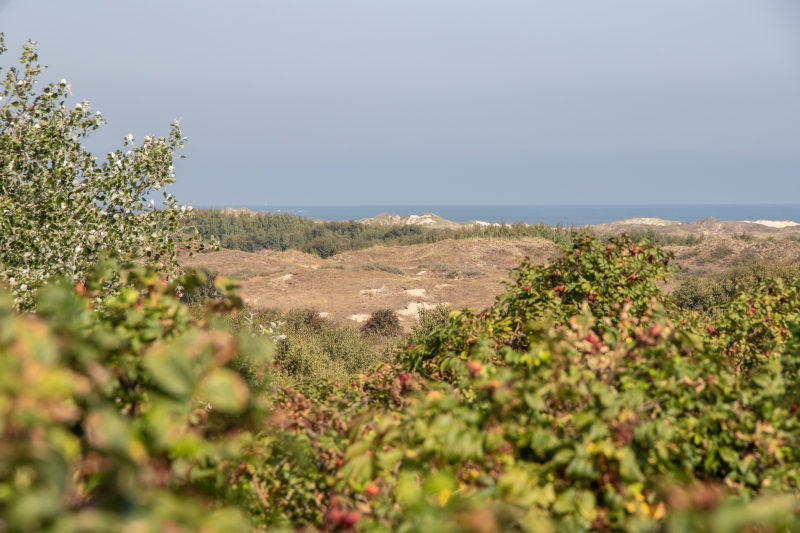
(226,391)
(133,419)
(61,210)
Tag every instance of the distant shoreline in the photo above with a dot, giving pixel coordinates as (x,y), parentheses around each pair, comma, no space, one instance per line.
(578,215)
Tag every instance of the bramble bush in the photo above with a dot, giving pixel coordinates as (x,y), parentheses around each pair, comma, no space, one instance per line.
(620,413)
(121,413)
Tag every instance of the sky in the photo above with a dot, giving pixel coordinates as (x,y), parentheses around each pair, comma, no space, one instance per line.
(461,102)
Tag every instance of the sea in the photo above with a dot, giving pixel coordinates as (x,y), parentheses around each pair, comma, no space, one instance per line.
(568,215)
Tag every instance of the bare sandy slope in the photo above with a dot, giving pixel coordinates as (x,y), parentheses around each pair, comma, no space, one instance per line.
(465,273)
(709,227)
(350,286)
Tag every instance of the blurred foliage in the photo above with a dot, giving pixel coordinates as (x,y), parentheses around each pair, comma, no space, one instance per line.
(582,400)
(121,413)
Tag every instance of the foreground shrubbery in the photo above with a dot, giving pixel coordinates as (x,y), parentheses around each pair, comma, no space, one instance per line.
(121,413)
(583,400)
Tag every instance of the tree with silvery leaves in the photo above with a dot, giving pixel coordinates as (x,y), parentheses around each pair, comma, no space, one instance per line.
(61,209)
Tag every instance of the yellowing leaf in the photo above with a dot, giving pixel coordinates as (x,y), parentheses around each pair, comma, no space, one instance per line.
(226,391)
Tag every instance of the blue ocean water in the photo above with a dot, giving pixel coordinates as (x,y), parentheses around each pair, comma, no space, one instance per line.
(578,215)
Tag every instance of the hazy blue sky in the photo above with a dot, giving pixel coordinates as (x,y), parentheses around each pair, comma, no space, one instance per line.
(442,101)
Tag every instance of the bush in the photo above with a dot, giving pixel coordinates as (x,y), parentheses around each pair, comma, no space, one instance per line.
(712,293)
(385,268)
(427,321)
(383,322)
(622,414)
(61,210)
(204,292)
(114,406)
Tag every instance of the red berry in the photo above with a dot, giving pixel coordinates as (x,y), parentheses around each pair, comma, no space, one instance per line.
(351,518)
(592,338)
(474,367)
(404,377)
(527,288)
(372,490)
(793,408)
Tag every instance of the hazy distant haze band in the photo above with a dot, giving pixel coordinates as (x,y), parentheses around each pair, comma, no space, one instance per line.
(578,215)
(461,178)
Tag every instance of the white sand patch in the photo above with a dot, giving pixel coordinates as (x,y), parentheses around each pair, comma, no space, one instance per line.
(774,223)
(416,293)
(359,318)
(442,286)
(421,272)
(281,279)
(420,220)
(324,314)
(413,309)
(374,293)
(482,223)
(647,221)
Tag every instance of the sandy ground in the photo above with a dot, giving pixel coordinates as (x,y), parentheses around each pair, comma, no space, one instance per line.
(350,286)
(463,274)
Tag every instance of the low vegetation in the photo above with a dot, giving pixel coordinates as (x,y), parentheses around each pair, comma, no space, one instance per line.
(251,232)
(384,323)
(266,231)
(713,292)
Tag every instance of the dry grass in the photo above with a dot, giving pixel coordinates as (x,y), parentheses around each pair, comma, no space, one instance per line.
(460,273)
(351,284)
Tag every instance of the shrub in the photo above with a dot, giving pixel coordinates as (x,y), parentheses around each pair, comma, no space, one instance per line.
(115,406)
(720,252)
(61,210)
(383,322)
(310,348)
(385,268)
(201,294)
(427,321)
(712,293)
(616,421)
